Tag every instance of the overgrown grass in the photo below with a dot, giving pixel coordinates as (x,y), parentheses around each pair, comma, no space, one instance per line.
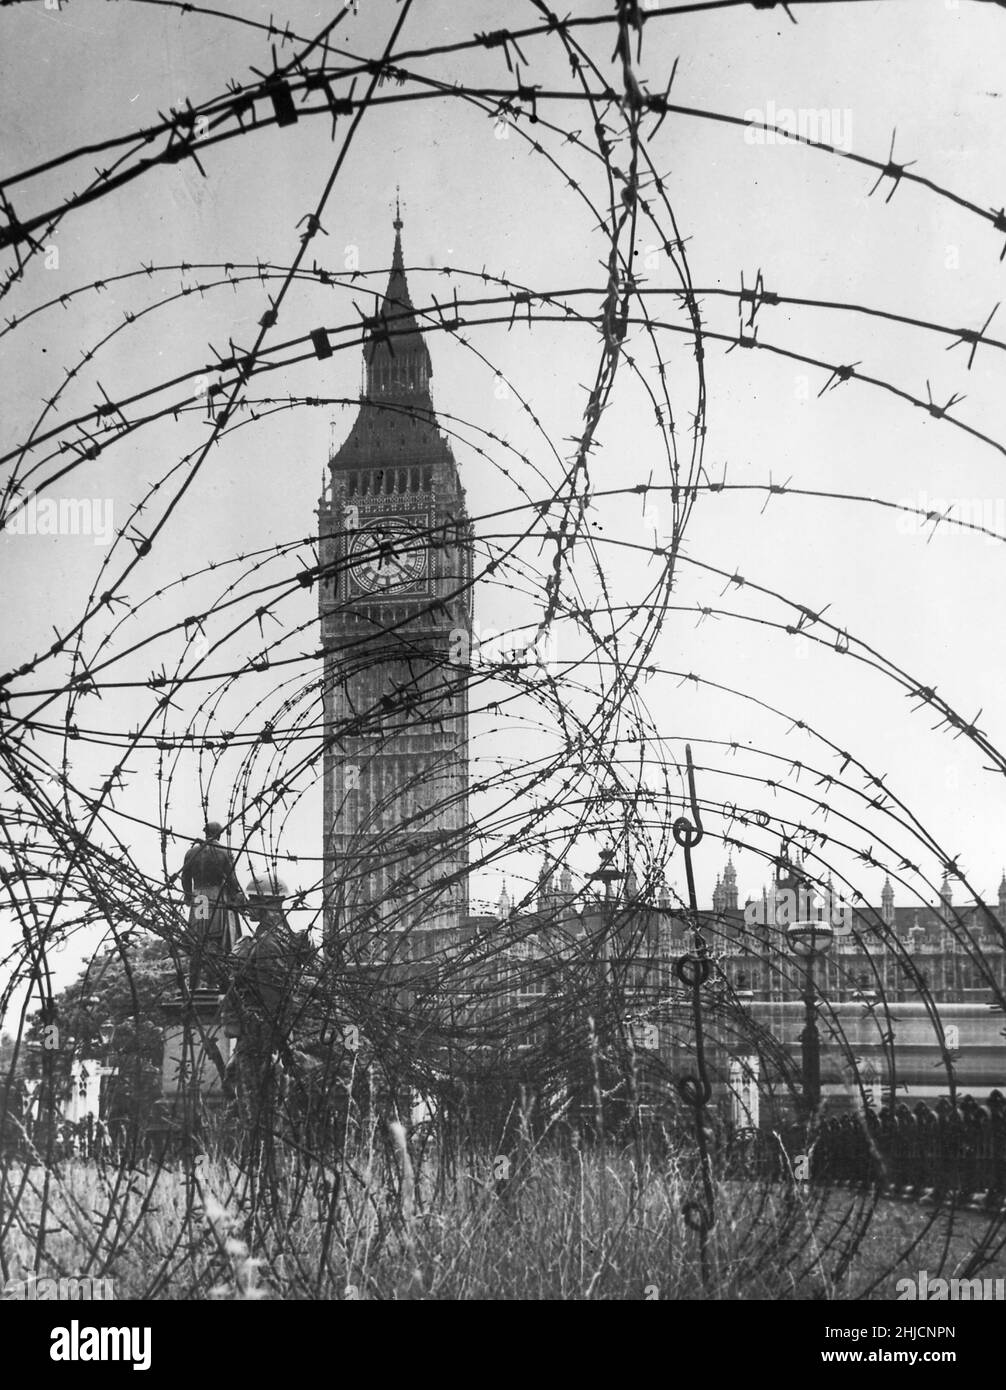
(400,1224)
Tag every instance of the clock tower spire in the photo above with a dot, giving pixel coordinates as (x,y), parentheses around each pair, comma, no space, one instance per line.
(395,607)
(398,367)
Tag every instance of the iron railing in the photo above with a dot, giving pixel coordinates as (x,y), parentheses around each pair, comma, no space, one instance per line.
(953,1149)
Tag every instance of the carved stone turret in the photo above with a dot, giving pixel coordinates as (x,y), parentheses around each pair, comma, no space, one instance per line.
(887,903)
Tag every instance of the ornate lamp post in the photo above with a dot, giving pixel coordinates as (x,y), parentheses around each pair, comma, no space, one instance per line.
(808,940)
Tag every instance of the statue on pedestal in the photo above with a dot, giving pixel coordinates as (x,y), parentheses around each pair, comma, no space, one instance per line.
(214,897)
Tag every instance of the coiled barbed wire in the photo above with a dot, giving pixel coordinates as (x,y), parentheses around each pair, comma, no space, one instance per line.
(562,1019)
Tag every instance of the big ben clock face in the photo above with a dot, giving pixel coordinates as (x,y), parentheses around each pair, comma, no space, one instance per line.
(387,555)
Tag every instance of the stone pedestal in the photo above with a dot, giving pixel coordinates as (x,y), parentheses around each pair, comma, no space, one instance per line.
(196,1052)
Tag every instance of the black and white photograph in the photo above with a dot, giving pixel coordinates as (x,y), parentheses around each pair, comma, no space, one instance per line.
(502,757)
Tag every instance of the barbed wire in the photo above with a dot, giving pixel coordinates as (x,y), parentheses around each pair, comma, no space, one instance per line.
(591,1008)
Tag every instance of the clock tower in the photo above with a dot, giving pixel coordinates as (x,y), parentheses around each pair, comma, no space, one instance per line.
(396,609)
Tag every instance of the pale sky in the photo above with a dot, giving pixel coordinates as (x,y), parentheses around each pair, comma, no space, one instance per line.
(473,200)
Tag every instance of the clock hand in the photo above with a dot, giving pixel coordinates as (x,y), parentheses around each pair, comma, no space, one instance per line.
(392,560)
(385,554)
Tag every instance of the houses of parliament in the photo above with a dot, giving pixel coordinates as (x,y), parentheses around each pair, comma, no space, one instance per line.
(398,564)
(397,571)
